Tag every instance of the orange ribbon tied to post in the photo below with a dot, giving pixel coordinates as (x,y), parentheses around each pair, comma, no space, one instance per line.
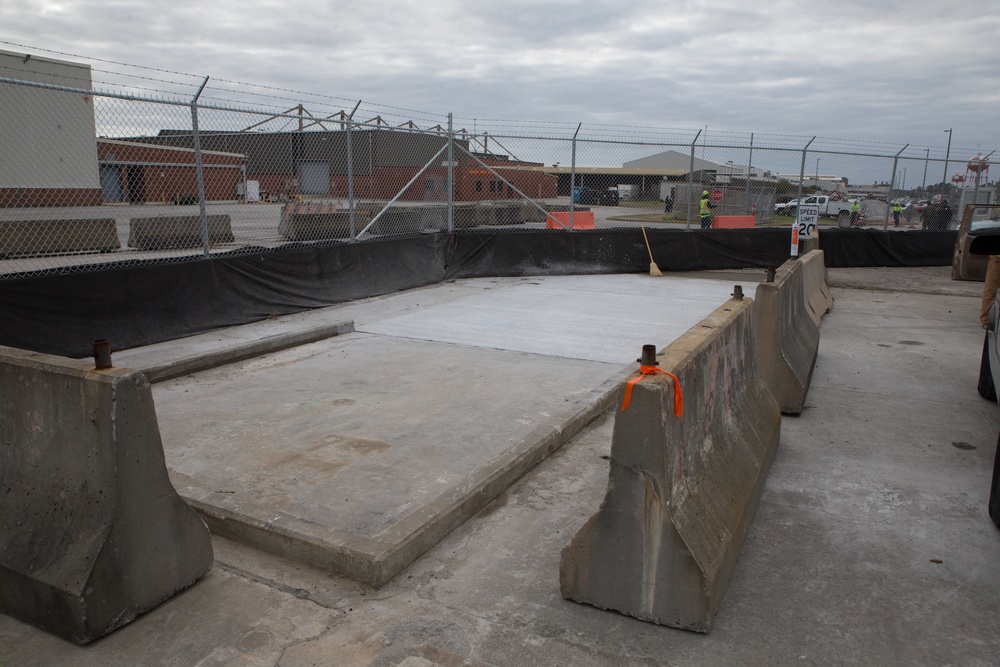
(645,370)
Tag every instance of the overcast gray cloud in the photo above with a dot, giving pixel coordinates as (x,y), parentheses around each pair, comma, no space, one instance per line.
(881,71)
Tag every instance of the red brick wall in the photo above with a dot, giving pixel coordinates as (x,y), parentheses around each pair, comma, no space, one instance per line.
(388,181)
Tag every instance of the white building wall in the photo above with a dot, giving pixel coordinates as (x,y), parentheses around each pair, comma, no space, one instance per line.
(47,138)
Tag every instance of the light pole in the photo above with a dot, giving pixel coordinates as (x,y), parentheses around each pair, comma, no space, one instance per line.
(947,154)
(817,172)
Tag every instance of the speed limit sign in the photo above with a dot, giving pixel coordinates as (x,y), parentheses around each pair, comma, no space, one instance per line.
(808,218)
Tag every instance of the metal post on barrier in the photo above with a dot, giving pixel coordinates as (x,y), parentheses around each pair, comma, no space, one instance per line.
(691,182)
(199,169)
(572,177)
(350,172)
(648,357)
(102,355)
(892,186)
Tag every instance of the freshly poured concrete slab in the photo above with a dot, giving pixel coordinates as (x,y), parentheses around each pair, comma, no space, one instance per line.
(361,451)
(598,318)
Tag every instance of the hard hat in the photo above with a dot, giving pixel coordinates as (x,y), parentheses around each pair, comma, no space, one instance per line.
(704,193)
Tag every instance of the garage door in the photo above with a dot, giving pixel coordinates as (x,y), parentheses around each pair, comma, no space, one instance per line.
(314,178)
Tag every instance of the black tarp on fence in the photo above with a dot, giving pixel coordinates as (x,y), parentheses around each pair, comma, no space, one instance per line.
(138,305)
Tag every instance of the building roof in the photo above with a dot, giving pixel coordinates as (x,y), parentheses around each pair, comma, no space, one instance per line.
(163,147)
(619,171)
(675,161)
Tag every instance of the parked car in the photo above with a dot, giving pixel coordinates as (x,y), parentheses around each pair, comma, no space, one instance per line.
(986,241)
(781,206)
(608,198)
(975,220)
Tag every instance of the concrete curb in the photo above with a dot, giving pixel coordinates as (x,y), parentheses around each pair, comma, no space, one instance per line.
(681,491)
(204,360)
(818,299)
(787,338)
(376,560)
(93,534)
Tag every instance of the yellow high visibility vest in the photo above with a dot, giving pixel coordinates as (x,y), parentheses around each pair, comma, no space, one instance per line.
(705,211)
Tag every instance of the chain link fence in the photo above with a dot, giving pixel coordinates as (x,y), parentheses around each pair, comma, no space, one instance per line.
(95,177)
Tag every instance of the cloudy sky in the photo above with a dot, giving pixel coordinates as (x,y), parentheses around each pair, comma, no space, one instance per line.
(876,72)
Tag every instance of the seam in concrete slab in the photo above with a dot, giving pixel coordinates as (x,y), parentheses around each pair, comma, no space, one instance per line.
(377,560)
(240,351)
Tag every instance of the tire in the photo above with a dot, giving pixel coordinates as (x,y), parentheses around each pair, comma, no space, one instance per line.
(844,219)
(985,386)
(791,210)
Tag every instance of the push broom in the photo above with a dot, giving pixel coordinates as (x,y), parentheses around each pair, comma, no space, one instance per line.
(654,270)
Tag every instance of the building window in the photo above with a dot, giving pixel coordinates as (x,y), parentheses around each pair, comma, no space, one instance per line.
(493,186)
(429,184)
(479,186)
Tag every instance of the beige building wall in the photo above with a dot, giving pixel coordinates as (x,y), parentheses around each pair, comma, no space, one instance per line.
(48,138)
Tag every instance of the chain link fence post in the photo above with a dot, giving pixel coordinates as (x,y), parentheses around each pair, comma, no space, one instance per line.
(199,168)
(691,183)
(802,175)
(746,188)
(450,185)
(350,175)
(892,187)
(572,177)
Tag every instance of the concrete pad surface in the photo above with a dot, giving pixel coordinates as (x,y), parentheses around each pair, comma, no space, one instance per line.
(359,452)
(871,544)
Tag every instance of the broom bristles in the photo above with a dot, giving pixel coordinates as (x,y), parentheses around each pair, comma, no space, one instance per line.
(654,270)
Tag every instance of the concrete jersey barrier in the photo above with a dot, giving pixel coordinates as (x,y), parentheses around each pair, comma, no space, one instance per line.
(818,298)
(28,238)
(178,231)
(787,337)
(92,533)
(681,490)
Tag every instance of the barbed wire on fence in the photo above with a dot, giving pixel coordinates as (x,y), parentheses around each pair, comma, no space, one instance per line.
(161,164)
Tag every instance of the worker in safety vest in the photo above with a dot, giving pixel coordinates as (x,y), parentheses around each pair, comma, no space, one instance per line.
(897,210)
(705,210)
(855,208)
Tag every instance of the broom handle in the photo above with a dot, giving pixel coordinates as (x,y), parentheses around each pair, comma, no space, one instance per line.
(647,242)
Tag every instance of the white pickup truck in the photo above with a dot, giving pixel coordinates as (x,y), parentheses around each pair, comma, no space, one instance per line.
(828,207)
